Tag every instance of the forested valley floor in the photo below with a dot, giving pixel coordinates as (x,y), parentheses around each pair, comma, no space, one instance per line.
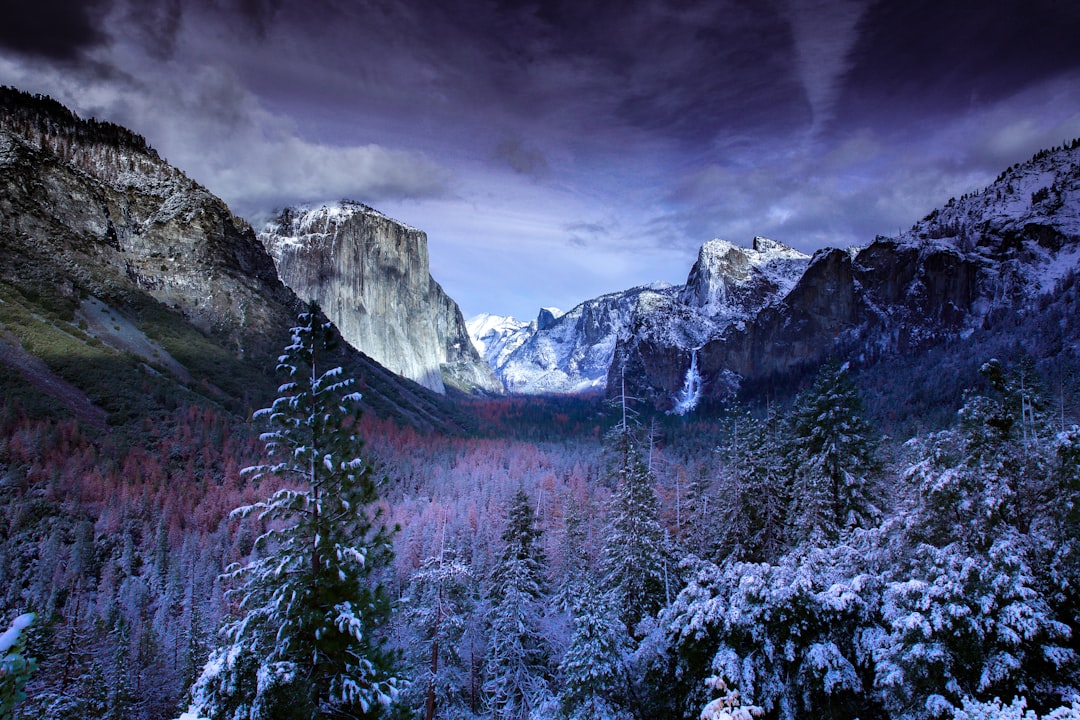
(594,566)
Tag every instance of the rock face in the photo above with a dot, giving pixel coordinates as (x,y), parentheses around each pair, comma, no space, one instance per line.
(120,257)
(93,204)
(732,281)
(370,275)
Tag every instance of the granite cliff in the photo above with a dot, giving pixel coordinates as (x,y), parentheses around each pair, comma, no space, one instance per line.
(370,275)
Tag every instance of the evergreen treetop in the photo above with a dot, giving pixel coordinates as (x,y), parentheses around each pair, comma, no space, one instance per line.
(305,644)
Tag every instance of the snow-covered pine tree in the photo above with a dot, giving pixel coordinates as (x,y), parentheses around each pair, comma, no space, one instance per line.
(832,459)
(753,494)
(573,575)
(517,662)
(637,563)
(306,643)
(436,606)
(593,671)
(965,614)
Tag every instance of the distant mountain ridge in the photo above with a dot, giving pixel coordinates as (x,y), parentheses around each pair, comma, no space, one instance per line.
(575,351)
(749,317)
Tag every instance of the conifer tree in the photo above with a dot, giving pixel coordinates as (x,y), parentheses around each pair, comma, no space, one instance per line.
(518,655)
(754,495)
(594,668)
(306,643)
(122,698)
(832,457)
(437,604)
(575,569)
(637,566)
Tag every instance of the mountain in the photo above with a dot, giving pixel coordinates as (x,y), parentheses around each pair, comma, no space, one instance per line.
(760,318)
(562,354)
(370,275)
(127,288)
(580,349)
(972,266)
(496,336)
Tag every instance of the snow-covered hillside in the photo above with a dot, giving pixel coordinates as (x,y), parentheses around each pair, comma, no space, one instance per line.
(496,336)
(1027,219)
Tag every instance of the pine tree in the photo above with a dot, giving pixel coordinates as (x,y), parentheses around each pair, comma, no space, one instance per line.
(637,565)
(307,642)
(754,492)
(594,668)
(518,656)
(436,607)
(574,574)
(122,700)
(832,457)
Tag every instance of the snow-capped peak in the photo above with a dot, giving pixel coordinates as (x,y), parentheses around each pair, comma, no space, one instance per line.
(496,336)
(728,280)
(321,219)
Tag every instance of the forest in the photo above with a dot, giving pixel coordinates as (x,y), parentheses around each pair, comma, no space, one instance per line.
(568,559)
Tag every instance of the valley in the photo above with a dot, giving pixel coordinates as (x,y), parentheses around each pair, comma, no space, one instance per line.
(843,484)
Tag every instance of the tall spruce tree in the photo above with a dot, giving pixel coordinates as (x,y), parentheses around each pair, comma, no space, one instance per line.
(518,657)
(832,458)
(754,492)
(594,672)
(306,644)
(637,565)
(437,605)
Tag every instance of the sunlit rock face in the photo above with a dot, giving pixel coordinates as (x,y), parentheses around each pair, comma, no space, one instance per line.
(369,273)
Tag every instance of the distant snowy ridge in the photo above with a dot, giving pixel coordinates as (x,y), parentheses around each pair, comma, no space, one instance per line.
(574,352)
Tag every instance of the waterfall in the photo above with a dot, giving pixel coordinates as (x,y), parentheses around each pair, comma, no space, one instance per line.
(691,389)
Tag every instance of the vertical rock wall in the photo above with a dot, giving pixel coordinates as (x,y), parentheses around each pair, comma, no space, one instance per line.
(370,275)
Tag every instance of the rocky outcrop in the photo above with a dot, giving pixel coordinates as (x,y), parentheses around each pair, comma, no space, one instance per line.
(732,281)
(88,208)
(118,273)
(370,275)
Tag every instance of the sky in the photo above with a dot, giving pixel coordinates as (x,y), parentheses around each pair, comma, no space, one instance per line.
(557,150)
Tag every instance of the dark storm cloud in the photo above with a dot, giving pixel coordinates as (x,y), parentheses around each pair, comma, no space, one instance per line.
(55,29)
(924,58)
(684,70)
(595,142)
(594,72)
